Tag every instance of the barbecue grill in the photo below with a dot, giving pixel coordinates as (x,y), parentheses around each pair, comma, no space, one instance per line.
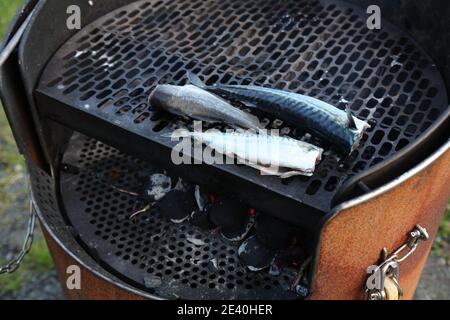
(77,103)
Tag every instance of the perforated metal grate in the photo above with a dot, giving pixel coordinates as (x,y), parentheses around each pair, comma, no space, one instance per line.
(319,48)
(150,247)
(43,188)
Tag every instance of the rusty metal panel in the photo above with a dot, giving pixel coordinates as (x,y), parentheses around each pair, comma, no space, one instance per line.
(92,287)
(97,283)
(354,238)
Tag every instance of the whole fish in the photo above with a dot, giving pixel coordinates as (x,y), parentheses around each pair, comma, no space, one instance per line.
(338,127)
(272,155)
(191,101)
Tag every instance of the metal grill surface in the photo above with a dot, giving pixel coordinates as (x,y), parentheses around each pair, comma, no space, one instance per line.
(150,246)
(318,48)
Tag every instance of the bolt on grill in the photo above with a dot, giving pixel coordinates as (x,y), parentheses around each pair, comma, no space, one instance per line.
(98,82)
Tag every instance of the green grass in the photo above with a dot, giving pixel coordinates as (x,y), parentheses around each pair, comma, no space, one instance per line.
(39,257)
(441,246)
(8,9)
(38,261)
(11,283)
(11,162)
(12,188)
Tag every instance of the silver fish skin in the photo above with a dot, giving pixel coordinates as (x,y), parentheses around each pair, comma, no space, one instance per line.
(268,153)
(193,102)
(338,127)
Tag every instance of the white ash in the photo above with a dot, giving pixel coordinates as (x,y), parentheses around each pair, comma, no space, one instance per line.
(109,63)
(152,282)
(242,248)
(215,264)
(79,53)
(195,241)
(343,100)
(395,61)
(182,185)
(248,227)
(274,270)
(160,186)
(201,198)
(180,220)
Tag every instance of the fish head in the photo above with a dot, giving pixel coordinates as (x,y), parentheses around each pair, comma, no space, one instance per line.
(162,97)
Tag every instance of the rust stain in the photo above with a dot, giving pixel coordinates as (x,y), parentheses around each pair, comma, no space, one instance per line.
(92,287)
(354,238)
(350,242)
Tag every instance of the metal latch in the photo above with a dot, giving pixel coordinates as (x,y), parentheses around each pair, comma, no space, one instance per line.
(383,282)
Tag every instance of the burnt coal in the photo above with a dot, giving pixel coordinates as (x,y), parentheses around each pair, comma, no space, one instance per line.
(237,233)
(174,260)
(255,255)
(177,206)
(292,254)
(200,218)
(273,232)
(231,216)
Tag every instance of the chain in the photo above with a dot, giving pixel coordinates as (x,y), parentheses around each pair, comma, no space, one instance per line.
(389,268)
(14,264)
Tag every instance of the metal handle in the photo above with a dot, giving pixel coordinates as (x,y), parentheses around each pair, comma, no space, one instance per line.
(11,45)
(14,264)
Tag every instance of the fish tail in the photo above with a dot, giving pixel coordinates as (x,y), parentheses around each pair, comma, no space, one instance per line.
(195,80)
